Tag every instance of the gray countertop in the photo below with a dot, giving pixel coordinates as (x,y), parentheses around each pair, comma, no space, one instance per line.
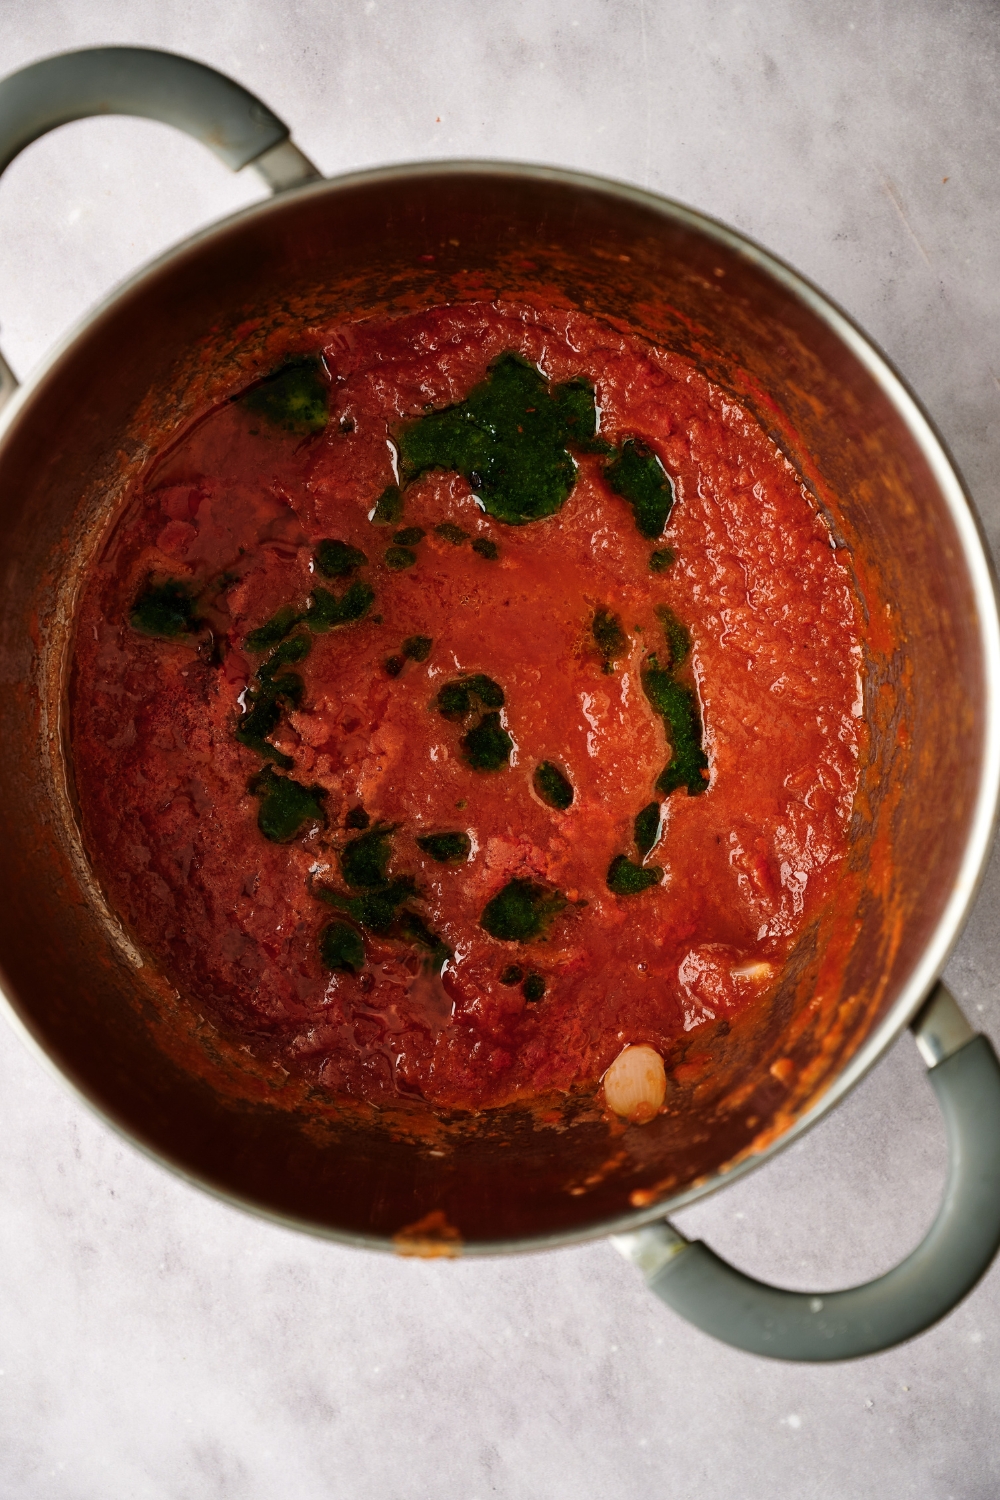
(154,1343)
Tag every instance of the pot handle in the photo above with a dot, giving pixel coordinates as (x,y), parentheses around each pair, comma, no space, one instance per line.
(965,1075)
(157,86)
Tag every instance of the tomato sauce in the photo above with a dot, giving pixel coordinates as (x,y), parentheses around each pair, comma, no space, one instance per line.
(437,759)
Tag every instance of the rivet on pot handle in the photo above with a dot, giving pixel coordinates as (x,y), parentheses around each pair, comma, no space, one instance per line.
(965,1075)
(157,86)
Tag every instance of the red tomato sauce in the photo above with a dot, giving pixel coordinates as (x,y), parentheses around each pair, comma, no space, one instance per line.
(236,509)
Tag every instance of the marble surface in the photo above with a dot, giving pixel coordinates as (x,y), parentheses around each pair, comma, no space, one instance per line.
(154,1343)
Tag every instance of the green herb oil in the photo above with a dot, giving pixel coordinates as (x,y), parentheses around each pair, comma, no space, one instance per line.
(627,879)
(522,911)
(286,806)
(637,475)
(509,439)
(446,848)
(295,398)
(552,786)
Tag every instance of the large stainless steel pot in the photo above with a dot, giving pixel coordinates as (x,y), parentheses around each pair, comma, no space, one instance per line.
(191,325)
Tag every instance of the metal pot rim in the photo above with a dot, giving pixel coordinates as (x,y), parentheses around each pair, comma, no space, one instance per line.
(975,555)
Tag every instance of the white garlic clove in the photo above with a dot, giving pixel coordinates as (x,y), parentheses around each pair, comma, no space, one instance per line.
(635,1084)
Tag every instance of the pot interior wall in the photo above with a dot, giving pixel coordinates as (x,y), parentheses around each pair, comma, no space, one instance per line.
(397,241)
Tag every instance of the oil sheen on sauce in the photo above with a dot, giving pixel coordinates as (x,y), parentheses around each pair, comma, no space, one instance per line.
(474,697)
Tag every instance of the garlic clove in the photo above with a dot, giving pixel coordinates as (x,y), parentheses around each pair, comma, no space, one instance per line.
(635,1084)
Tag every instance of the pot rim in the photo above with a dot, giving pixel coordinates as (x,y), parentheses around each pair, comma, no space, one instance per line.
(975,554)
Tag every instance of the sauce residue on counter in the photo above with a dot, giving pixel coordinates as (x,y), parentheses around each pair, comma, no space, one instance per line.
(473,698)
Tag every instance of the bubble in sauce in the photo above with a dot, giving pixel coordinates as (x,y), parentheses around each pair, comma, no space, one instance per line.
(635,1084)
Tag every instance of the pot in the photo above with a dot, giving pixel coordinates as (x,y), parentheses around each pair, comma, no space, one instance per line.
(413,236)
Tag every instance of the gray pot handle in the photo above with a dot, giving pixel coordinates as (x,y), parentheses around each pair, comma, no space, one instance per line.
(157,86)
(965,1075)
